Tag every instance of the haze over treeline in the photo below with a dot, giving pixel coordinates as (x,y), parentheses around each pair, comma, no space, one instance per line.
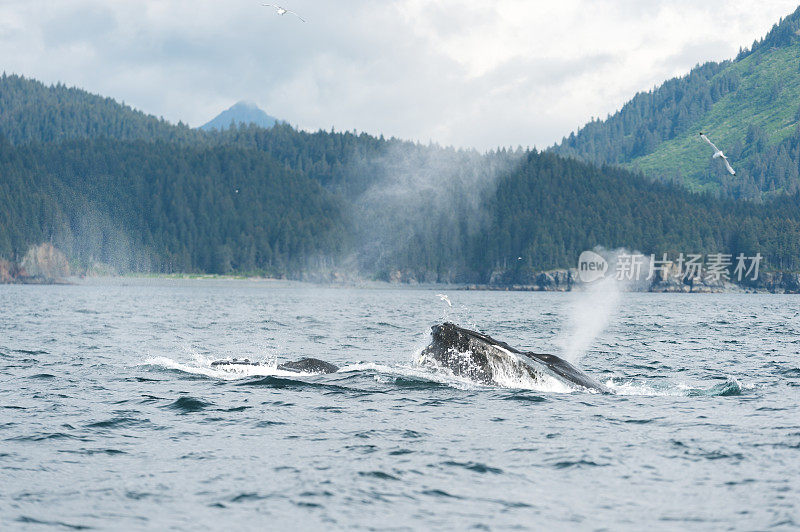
(109,184)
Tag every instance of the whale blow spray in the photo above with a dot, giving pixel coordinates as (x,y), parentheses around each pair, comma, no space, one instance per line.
(595,307)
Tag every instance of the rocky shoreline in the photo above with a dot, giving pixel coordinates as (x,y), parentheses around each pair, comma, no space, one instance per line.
(42,264)
(567,280)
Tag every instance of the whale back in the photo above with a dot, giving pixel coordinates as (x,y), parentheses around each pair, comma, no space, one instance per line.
(475,355)
(309,365)
(305,365)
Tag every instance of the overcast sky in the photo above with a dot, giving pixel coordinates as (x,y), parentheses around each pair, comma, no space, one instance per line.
(461,72)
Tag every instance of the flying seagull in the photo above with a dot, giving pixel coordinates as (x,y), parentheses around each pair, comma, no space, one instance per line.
(445,299)
(718,154)
(282,11)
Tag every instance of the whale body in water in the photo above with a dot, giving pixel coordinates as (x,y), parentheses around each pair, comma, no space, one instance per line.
(467,354)
(305,365)
(483,359)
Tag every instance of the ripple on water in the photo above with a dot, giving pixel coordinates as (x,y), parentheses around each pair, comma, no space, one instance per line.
(42,376)
(419,383)
(567,464)
(237,409)
(265,424)
(48,436)
(247,497)
(400,452)
(32,352)
(92,452)
(58,524)
(440,493)
(477,467)
(117,422)
(187,404)
(524,397)
(281,383)
(378,474)
(307,504)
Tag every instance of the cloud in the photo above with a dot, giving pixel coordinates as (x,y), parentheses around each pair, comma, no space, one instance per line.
(462,72)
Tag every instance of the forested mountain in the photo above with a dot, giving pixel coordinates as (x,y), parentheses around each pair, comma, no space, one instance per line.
(106,183)
(31,111)
(161,207)
(241,113)
(750,108)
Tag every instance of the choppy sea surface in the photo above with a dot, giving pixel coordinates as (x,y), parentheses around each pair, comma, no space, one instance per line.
(112,417)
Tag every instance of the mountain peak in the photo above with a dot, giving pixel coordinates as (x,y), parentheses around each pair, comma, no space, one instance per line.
(245,104)
(243,112)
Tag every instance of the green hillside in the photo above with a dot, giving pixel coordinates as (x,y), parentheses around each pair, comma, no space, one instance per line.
(749,107)
(764,108)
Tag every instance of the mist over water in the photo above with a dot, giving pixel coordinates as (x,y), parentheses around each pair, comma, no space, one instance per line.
(588,315)
(596,306)
(93,239)
(424,206)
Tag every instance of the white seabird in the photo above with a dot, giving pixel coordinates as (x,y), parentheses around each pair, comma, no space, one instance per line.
(282,11)
(445,299)
(718,154)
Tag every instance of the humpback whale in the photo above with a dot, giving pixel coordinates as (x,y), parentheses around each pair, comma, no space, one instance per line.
(483,359)
(305,365)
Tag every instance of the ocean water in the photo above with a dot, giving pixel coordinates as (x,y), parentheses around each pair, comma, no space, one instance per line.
(111,416)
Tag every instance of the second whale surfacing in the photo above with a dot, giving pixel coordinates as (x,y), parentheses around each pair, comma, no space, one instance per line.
(481,358)
(306,365)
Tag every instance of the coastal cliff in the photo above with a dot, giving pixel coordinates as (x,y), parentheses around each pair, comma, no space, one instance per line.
(42,264)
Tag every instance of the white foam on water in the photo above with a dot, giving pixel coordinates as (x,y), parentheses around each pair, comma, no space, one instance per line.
(507,378)
(642,389)
(365,366)
(388,374)
(203,367)
(512,373)
(508,373)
